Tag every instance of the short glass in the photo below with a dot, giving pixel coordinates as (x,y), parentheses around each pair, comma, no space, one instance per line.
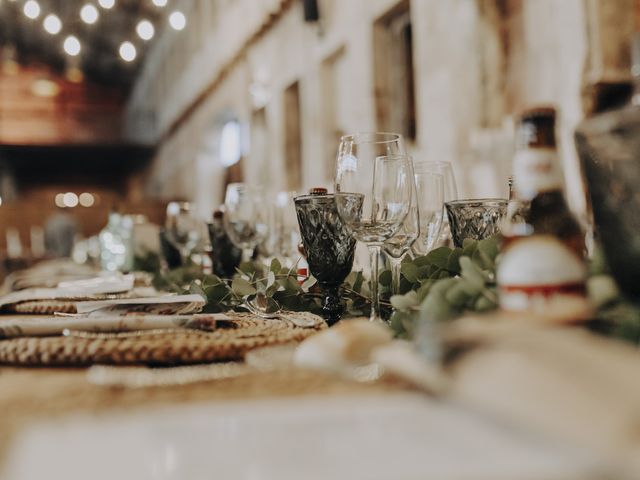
(475,218)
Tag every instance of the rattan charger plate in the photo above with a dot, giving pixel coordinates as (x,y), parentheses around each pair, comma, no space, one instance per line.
(176,347)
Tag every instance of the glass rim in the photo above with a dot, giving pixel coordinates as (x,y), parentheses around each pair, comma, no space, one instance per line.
(391,137)
(479,201)
(435,163)
(396,156)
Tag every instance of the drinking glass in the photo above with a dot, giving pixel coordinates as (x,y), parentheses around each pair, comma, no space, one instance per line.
(475,218)
(329,247)
(450,188)
(182,229)
(374,167)
(245,217)
(399,245)
(430,191)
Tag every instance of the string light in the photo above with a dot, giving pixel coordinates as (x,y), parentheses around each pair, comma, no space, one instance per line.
(177,20)
(52,24)
(31,9)
(72,45)
(160,3)
(107,4)
(128,51)
(145,30)
(86,199)
(89,14)
(70,200)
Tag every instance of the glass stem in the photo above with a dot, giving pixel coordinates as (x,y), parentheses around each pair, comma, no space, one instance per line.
(396,264)
(374,253)
(247,255)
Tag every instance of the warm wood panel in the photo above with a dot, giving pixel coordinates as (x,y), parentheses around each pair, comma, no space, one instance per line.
(78,113)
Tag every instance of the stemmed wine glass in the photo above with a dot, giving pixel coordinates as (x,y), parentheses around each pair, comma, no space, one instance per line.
(430,190)
(183,229)
(399,245)
(449,185)
(246,217)
(373,169)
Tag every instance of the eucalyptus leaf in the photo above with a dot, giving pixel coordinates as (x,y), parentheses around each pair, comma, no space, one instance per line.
(410,272)
(242,287)
(405,302)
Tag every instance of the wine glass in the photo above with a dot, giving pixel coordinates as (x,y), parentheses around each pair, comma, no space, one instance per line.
(182,229)
(246,217)
(450,188)
(430,191)
(374,170)
(399,245)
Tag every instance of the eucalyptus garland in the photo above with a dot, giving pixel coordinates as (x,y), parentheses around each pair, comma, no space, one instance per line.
(437,287)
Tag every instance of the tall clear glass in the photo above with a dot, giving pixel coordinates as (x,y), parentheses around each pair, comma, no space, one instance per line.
(374,167)
(399,245)
(450,189)
(246,218)
(430,190)
(183,229)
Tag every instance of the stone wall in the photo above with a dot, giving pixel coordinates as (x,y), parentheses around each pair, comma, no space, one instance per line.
(476,64)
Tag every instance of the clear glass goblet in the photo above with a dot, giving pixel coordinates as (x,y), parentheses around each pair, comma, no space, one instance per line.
(400,244)
(430,192)
(182,229)
(246,217)
(450,189)
(374,167)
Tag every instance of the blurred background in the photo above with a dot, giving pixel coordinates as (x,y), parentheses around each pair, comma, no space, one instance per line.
(125,105)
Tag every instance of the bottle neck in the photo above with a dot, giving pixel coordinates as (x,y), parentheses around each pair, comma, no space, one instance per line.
(536,170)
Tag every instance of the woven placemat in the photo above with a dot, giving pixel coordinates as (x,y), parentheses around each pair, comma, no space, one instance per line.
(241,334)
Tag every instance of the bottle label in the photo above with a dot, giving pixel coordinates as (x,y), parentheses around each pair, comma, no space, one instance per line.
(536,170)
(539,270)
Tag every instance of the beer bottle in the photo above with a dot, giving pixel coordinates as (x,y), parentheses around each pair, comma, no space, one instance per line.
(543,258)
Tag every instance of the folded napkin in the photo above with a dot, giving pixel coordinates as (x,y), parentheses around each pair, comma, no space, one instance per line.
(77,289)
(23,326)
(159,305)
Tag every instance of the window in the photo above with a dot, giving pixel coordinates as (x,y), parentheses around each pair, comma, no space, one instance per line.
(393,68)
(292,137)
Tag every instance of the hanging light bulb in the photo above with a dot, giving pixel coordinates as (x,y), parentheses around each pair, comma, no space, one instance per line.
(31,9)
(72,45)
(89,14)
(128,51)
(160,3)
(107,4)
(177,20)
(52,24)
(145,30)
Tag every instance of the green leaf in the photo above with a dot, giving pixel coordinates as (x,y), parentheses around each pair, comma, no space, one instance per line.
(242,287)
(453,264)
(472,273)
(271,277)
(275,266)
(410,272)
(308,283)
(421,261)
(440,256)
(405,302)
(490,247)
(385,278)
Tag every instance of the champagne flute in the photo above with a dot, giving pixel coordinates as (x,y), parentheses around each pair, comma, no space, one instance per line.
(430,191)
(245,218)
(373,169)
(450,189)
(399,245)
(183,229)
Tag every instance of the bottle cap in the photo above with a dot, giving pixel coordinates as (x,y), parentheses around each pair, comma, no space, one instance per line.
(318,191)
